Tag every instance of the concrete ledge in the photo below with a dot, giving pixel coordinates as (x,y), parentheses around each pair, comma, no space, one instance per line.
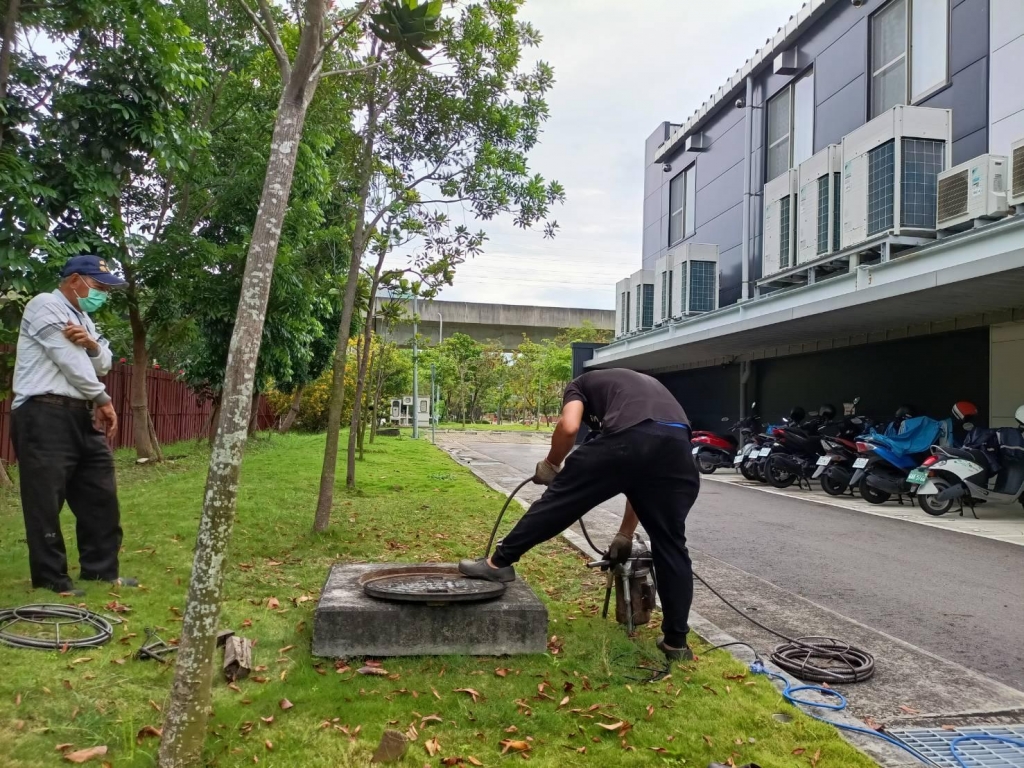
(348,623)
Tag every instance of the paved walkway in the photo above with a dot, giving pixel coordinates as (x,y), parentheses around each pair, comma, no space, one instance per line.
(1002,522)
(941,613)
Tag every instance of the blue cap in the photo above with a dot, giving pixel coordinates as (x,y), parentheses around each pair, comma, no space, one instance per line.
(88,265)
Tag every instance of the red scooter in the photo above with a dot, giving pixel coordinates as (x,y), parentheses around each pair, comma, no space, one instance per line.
(712,450)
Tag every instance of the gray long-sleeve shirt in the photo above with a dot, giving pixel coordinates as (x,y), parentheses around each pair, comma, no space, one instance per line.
(49,364)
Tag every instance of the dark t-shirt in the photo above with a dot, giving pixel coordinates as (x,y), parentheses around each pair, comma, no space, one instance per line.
(618,399)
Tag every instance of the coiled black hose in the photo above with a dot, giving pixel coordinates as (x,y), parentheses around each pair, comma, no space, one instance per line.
(55,615)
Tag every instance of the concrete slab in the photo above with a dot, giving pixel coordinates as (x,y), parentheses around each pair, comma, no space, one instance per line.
(348,623)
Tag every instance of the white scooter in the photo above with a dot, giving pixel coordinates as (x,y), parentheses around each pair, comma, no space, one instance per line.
(963,475)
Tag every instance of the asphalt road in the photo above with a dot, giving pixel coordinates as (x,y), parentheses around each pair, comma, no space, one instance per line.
(957,596)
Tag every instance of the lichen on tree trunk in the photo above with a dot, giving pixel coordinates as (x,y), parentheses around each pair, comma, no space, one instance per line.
(185,722)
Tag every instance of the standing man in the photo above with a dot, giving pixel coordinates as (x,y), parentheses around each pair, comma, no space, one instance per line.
(642,450)
(60,424)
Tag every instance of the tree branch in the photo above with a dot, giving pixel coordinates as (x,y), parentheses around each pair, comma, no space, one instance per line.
(269,34)
(354,71)
(363,7)
(60,76)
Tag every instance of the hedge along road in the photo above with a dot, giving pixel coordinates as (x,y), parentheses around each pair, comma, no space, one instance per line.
(958,597)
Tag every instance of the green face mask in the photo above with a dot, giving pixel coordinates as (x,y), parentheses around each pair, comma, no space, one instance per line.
(93,301)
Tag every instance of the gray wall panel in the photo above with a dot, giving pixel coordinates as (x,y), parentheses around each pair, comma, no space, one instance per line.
(730,268)
(1007,90)
(1007,22)
(652,208)
(844,112)
(725,192)
(968,34)
(967,97)
(723,155)
(652,244)
(725,230)
(970,146)
(839,64)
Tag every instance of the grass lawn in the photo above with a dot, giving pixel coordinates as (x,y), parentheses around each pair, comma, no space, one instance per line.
(414,504)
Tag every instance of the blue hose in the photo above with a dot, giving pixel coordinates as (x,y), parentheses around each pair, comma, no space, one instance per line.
(981,737)
(840,704)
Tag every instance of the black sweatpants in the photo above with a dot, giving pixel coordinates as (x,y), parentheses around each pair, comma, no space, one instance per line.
(652,465)
(61,456)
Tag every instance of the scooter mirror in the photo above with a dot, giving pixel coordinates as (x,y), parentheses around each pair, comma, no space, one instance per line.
(856,400)
(725,418)
(754,404)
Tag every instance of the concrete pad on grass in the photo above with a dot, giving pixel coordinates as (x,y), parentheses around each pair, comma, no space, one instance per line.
(348,623)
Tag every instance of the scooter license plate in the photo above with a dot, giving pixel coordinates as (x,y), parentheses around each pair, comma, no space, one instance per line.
(918,477)
(765,452)
(824,461)
(860,463)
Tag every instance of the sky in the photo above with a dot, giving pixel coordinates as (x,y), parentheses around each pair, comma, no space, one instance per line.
(621,68)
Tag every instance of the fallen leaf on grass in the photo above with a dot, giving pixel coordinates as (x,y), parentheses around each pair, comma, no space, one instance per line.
(269,745)
(475,695)
(707,687)
(650,711)
(285,649)
(563,702)
(148,730)
(273,603)
(247,623)
(63,747)
(433,746)
(267,720)
(511,729)
(799,751)
(436,694)
(708,740)
(430,719)
(85,755)
(555,645)
(452,761)
(285,704)
(816,758)
(234,688)
(502,672)
(948,727)
(473,761)
(659,750)
(620,726)
(380,672)
(82,660)
(508,745)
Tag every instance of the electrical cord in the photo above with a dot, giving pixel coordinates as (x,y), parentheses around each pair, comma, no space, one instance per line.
(494,531)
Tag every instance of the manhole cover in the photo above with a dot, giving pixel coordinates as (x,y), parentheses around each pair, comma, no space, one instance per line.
(985,746)
(419,584)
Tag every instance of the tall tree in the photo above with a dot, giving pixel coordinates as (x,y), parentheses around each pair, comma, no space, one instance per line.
(318,30)
(457,132)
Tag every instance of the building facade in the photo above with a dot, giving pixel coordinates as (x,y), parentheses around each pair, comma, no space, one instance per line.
(831,69)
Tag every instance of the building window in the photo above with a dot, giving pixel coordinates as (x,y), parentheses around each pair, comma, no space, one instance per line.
(702,286)
(909,52)
(682,201)
(791,125)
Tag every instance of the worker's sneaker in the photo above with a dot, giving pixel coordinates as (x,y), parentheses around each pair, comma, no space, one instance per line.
(479,569)
(674,654)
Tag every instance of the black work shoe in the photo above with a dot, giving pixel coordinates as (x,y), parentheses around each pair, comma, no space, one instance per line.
(675,654)
(479,569)
(66,589)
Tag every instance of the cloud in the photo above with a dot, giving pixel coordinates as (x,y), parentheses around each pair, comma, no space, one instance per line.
(620,70)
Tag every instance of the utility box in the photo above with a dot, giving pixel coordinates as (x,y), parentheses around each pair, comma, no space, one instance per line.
(818,222)
(642,291)
(780,207)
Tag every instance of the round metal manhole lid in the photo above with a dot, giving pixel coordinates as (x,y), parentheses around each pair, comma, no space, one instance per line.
(420,584)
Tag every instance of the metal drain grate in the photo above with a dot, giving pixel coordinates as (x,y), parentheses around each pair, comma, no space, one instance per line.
(934,743)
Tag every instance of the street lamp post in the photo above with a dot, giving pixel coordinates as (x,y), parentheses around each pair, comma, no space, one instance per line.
(435,389)
(415,373)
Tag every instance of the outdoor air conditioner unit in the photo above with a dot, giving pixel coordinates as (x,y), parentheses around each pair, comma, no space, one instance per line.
(1016,196)
(622,307)
(642,293)
(891,167)
(780,223)
(818,232)
(972,190)
(666,290)
(694,270)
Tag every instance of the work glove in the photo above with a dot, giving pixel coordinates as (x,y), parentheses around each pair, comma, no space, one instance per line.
(545,472)
(620,550)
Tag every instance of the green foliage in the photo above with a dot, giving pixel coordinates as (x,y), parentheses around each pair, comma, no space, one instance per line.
(412,27)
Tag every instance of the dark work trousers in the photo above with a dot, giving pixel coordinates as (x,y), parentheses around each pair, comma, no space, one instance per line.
(62,456)
(652,465)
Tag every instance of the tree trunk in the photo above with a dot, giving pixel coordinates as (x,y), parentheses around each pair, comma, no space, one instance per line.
(5,479)
(293,411)
(6,51)
(378,389)
(214,418)
(325,500)
(153,438)
(184,729)
(144,448)
(364,360)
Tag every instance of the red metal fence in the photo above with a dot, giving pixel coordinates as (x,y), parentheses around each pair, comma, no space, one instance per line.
(178,413)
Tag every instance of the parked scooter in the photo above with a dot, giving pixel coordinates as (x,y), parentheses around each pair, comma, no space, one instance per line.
(711,450)
(989,468)
(754,467)
(797,449)
(835,468)
(886,460)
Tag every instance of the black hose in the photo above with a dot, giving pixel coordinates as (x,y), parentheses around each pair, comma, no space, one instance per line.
(54,615)
(494,531)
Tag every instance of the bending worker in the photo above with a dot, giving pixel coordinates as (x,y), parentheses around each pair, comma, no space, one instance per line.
(643,451)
